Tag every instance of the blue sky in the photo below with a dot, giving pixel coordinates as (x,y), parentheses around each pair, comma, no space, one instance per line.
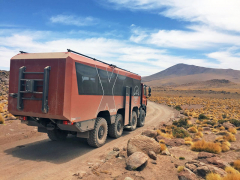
(143,36)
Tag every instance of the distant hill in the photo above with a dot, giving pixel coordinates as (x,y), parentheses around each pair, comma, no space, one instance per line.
(183,74)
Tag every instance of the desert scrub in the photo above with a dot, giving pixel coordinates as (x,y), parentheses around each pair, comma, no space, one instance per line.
(200,134)
(232,130)
(231,170)
(235,122)
(2,121)
(222,128)
(200,128)
(162,141)
(231,177)
(166,135)
(230,137)
(193,129)
(163,147)
(188,139)
(225,148)
(178,108)
(183,122)
(213,176)
(206,146)
(236,164)
(202,116)
(180,133)
(188,143)
(180,168)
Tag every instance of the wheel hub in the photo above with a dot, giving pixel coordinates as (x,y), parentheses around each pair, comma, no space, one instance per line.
(100,132)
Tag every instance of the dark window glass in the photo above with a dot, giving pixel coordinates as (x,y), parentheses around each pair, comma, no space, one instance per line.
(87,79)
(118,87)
(107,80)
(136,87)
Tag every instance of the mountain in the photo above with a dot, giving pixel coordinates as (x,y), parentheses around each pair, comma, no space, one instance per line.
(184,74)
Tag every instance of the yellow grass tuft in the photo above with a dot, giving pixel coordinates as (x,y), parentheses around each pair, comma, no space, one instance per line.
(163,147)
(188,142)
(215,130)
(166,135)
(222,128)
(225,148)
(180,168)
(192,129)
(236,165)
(226,143)
(231,177)
(2,121)
(188,139)
(205,125)
(198,122)
(200,134)
(213,176)
(230,137)
(200,129)
(232,130)
(206,146)
(162,141)
(231,170)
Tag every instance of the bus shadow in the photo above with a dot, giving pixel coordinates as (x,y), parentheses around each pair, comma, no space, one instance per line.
(57,152)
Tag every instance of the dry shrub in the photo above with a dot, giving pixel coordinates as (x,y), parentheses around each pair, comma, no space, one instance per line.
(198,122)
(188,139)
(226,143)
(163,147)
(2,121)
(222,128)
(192,129)
(225,148)
(166,135)
(230,137)
(232,130)
(236,164)
(200,134)
(205,125)
(215,130)
(200,129)
(231,177)
(189,122)
(220,138)
(213,176)
(162,141)
(206,146)
(231,170)
(188,142)
(180,168)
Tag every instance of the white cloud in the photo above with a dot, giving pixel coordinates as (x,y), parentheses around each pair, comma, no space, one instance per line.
(74,20)
(219,14)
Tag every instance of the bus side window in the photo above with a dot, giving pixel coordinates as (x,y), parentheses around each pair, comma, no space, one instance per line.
(145,92)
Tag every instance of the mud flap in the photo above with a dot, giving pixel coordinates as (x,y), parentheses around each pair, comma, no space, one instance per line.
(127,106)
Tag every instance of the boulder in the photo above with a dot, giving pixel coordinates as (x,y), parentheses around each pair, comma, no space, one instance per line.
(143,144)
(174,142)
(149,133)
(186,174)
(217,162)
(159,137)
(152,155)
(204,155)
(228,125)
(116,149)
(136,160)
(205,169)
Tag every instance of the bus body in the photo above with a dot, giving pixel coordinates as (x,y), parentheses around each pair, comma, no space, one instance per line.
(69,93)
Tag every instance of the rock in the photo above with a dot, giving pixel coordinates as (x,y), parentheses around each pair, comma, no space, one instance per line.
(152,155)
(112,154)
(222,133)
(190,166)
(174,142)
(228,125)
(202,171)
(128,178)
(124,148)
(166,153)
(143,144)
(116,149)
(159,137)
(217,162)
(154,162)
(136,160)
(206,129)
(150,133)
(186,174)
(80,174)
(122,154)
(204,155)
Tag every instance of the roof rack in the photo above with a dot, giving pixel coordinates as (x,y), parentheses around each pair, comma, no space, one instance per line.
(69,50)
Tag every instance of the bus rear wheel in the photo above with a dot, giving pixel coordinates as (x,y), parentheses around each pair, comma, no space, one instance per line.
(98,136)
(57,135)
(133,121)
(141,119)
(116,129)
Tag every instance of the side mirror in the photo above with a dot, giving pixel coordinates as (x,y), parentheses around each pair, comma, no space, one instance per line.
(149,95)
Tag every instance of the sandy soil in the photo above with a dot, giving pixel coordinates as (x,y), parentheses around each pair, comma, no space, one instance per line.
(39,158)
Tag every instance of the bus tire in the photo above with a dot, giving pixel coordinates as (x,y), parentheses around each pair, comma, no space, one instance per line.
(116,129)
(57,135)
(98,136)
(141,119)
(133,121)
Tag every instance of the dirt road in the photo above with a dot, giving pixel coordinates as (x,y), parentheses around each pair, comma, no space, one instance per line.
(40,158)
